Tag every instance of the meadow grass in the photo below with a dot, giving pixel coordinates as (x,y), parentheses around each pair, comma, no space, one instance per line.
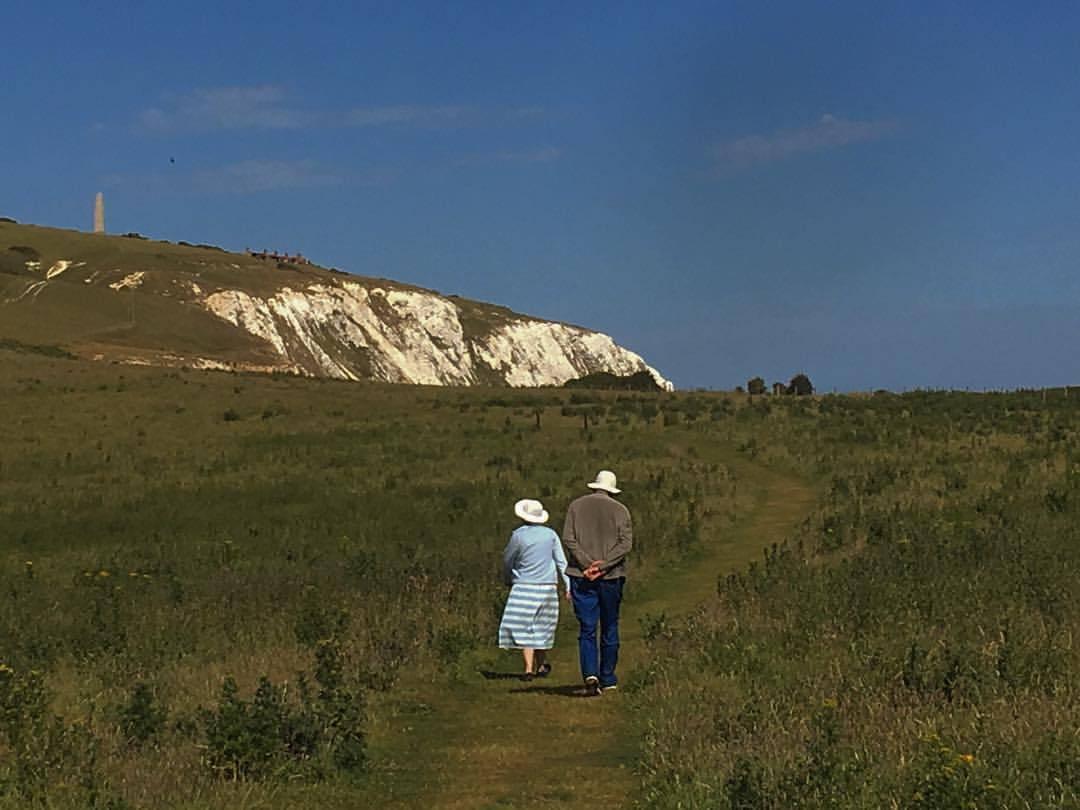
(169,530)
(911,644)
(226,590)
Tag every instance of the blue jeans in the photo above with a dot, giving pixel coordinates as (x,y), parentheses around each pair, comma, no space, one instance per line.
(597,602)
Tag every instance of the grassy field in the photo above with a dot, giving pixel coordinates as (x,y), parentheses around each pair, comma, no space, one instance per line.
(911,644)
(227,590)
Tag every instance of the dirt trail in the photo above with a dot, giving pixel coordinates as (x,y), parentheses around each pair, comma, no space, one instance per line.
(461,742)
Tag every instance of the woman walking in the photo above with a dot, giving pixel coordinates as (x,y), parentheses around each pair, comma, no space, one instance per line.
(533,563)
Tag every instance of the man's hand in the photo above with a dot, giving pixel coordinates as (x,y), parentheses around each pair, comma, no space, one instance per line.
(594,571)
(569,598)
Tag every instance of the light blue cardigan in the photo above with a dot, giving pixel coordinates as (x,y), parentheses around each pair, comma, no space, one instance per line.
(534,555)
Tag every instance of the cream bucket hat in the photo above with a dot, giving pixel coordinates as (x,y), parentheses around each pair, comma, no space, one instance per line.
(605,480)
(531,511)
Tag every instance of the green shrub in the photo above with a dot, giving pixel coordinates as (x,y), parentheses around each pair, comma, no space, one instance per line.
(277,736)
(44,755)
(143,717)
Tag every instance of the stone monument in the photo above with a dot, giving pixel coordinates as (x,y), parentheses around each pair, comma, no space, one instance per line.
(99,213)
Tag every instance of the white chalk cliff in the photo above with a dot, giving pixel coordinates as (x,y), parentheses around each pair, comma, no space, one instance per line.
(136,300)
(354,330)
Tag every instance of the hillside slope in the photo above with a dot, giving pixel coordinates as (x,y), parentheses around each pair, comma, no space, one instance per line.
(140,301)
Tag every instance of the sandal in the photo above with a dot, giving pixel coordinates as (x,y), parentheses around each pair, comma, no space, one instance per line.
(544,670)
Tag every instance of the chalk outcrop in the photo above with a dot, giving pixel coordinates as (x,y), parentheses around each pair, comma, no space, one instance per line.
(135,300)
(353,330)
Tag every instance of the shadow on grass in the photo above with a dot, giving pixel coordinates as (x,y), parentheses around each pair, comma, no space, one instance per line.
(491,675)
(568,690)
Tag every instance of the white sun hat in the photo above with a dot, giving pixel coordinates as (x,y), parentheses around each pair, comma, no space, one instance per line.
(605,480)
(531,511)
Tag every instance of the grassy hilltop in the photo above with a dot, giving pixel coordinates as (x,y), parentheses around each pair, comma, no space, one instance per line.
(226,590)
(67,289)
(79,311)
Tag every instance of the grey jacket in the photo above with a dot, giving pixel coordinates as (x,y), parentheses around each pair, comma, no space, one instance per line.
(597,528)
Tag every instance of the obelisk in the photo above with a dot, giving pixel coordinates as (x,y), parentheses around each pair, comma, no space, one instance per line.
(99,213)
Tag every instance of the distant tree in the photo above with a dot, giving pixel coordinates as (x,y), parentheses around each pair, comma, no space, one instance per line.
(755,386)
(800,386)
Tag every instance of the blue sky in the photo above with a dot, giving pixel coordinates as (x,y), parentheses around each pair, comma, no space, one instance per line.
(880,195)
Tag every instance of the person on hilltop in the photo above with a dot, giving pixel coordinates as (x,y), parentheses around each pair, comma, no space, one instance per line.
(598,536)
(533,563)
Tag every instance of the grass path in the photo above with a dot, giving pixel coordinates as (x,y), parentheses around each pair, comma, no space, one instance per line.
(458,740)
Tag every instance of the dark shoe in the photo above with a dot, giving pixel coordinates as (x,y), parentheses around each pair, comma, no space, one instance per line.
(544,671)
(527,677)
(592,686)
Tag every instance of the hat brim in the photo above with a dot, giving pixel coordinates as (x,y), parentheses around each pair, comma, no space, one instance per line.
(538,519)
(605,487)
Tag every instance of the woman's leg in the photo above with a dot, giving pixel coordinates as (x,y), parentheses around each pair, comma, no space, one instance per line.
(528,654)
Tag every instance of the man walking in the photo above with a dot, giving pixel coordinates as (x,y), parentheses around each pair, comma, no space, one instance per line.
(598,536)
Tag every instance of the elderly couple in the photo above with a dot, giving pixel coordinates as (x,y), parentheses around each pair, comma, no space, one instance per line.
(598,536)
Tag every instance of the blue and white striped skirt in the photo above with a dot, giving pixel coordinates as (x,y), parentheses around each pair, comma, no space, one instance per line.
(530,617)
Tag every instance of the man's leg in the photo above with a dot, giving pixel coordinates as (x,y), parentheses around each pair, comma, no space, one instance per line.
(586,608)
(610,598)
